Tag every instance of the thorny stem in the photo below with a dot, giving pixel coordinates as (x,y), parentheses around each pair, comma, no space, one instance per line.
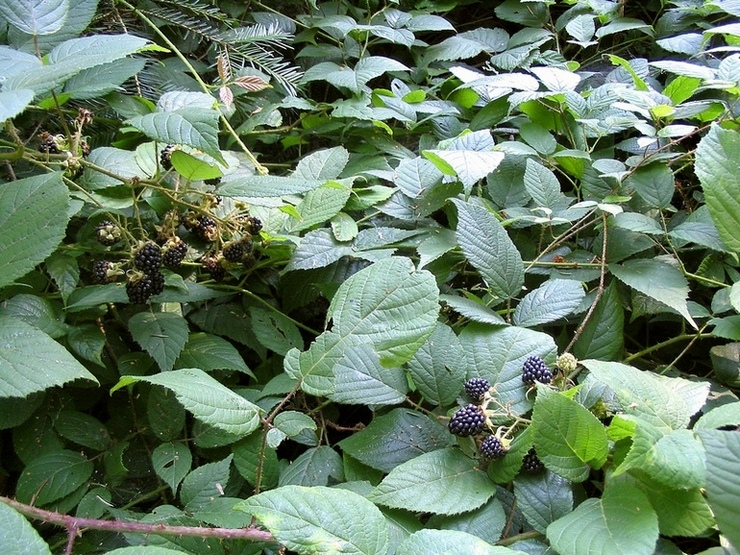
(74,526)
(599,290)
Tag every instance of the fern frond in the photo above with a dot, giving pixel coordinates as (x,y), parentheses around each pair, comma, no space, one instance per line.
(188,22)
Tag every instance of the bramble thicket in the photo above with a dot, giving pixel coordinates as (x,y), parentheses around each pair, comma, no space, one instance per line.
(382,277)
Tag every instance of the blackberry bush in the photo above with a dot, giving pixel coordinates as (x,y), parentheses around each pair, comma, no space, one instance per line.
(535,370)
(467,421)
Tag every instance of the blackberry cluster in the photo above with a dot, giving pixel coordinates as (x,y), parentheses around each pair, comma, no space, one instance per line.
(237,250)
(253,225)
(531,463)
(148,258)
(107,233)
(467,421)
(174,253)
(535,370)
(476,388)
(100,271)
(491,448)
(165,157)
(203,227)
(49,144)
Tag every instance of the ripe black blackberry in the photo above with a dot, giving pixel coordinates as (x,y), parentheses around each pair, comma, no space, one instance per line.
(491,448)
(100,271)
(531,463)
(174,253)
(157,279)
(476,388)
(148,258)
(254,225)
(212,265)
(535,370)
(237,250)
(107,233)
(139,288)
(467,421)
(165,157)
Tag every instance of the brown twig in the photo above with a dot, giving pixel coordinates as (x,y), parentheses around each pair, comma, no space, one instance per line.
(74,526)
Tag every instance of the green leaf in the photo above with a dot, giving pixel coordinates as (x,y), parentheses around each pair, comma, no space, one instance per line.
(162,334)
(32,361)
(318,466)
(353,79)
(472,308)
(88,342)
(603,335)
(211,352)
(320,520)
(172,462)
(654,183)
(195,127)
(359,379)
(36,311)
(621,522)
(469,166)
(292,423)
(486,522)
(666,403)
(389,305)
(489,249)
(723,415)
(568,438)
(204,484)
(252,461)
(542,185)
(552,300)
(716,168)
(445,481)
(320,205)
(498,354)
(723,489)
(658,280)
(145,550)
(322,165)
(33,212)
(17,536)
(275,331)
(13,103)
(82,429)
(210,402)
(317,249)
(192,168)
(437,367)
(51,477)
(543,498)
(35,17)
(681,512)
(395,438)
(449,542)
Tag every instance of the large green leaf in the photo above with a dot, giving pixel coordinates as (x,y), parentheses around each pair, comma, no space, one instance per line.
(33,213)
(171,462)
(320,520)
(658,280)
(620,523)
(723,489)
(360,379)
(32,361)
(543,498)
(211,352)
(35,17)
(162,334)
(489,249)
(603,335)
(318,466)
(569,439)
(449,542)
(320,205)
(437,367)
(13,103)
(395,438)
(552,300)
(666,403)
(389,305)
(716,168)
(445,481)
(17,536)
(353,79)
(208,400)
(53,476)
(205,483)
(322,165)
(192,126)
